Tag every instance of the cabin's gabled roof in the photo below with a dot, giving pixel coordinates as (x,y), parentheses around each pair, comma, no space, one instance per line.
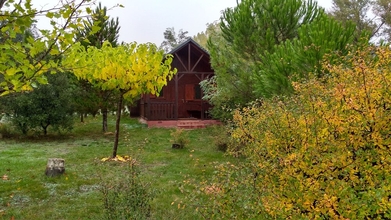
(183,44)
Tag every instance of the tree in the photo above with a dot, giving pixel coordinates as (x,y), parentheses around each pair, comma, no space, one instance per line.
(256,26)
(296,59)
(129,69)
(96,30)
(382,9)
(99,28)
(171,39)
(370,16)
(211,30)
(24,64)
(249,31)
(47,105)
(356,11)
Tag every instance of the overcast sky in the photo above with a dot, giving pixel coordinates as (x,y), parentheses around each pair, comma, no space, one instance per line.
(146,20)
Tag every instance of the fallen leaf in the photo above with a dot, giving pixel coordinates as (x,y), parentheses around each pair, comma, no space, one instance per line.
(121,158)
(5,177)
(105,159)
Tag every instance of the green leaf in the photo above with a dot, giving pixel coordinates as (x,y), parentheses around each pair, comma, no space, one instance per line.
(95,29)
(50,14)
(42,80)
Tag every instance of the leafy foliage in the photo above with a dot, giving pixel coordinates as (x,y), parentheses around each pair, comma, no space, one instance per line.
(129,69)
(323,153)
(371,18)
(357,12)
(382,9)
(203,37)
(23,64)
(96,30)
(48,105)
(179,137)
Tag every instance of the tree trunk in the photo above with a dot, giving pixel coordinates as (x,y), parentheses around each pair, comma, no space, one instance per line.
(81,118)
(104,123)
(117,123)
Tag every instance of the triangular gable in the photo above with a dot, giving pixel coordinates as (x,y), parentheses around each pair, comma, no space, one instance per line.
(185,43)
(189,56)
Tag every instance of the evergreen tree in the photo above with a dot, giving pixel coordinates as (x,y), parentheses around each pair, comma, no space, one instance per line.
(297,59)
(100,28)
(249,31)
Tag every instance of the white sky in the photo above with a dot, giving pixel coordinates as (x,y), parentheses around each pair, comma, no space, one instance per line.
(146,20)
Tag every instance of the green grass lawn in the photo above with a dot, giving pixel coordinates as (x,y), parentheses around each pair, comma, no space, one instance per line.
(27,193)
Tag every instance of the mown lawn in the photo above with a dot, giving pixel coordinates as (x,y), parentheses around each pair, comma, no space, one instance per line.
(26,193)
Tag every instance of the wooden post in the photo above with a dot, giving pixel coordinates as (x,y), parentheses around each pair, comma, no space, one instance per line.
(55,167)
(202,100)
(176,96)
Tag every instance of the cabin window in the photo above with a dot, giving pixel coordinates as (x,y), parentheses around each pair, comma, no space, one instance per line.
(192,92)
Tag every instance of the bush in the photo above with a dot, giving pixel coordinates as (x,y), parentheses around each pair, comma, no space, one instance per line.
(180,138)
(221,137)
(324,153)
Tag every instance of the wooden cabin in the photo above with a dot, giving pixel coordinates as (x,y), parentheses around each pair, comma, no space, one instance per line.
(180,102)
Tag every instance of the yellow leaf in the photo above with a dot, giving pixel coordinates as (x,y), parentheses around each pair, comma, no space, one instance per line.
(121,158)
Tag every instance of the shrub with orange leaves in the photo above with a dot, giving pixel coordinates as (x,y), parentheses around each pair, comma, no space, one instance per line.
(325,152)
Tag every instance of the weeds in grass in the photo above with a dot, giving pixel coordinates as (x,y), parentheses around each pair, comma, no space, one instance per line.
(6,130)
(180,138)
(127,197)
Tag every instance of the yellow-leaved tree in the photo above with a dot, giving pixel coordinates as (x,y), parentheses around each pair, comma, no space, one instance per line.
(131,69)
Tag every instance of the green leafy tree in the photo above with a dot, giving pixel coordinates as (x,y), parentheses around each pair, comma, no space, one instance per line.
(23,64)
(129,69)
(96,30)
(47,105)
(171,39)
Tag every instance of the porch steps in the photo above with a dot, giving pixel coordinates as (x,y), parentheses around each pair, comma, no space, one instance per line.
(184,124)
(191,124)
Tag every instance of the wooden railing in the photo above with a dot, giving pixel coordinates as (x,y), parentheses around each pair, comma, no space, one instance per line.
(160,110)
